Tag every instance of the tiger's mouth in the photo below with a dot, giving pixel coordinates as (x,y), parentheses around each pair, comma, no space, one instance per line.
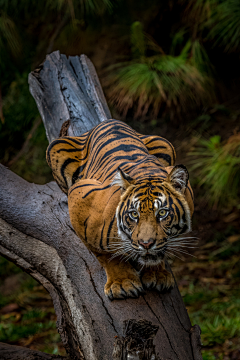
(150,259)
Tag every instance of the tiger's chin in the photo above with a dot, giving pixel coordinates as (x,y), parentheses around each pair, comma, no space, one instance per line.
(151,260)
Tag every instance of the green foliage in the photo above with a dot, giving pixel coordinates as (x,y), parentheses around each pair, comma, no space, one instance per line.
(207,355)
(35,310)
(218,316)
(9,37)
(19,331)
(21,114)
(173,84)
(7,268)
(138,40)
(33,160)
(201,59)
(19,111)
(219,321)
(35,27)
(224,25)
(218,19)
(198,11)
(177,41)
(78,9)
(217,165)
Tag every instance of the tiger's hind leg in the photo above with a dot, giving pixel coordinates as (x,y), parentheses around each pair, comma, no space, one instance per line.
(67,158)
(161,148)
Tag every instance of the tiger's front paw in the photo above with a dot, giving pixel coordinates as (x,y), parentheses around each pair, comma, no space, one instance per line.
(158,279)
(123,288)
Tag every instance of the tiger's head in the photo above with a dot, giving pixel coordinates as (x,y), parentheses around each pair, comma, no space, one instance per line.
(152,214)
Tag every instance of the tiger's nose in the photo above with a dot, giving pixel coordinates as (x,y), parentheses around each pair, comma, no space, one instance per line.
(147,244)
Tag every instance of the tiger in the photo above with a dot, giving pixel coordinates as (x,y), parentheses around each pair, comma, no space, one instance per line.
(127,202)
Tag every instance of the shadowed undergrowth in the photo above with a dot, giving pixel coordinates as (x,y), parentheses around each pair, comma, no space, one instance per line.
(27,316)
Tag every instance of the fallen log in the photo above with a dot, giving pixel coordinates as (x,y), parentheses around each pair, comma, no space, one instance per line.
(36,234)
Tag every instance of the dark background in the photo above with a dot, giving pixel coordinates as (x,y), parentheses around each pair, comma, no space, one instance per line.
(169,68)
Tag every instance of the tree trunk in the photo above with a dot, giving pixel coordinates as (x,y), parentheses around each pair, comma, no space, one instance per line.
(12,352)
(36,234)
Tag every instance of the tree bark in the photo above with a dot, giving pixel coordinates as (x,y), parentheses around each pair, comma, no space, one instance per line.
(12,352)
(36,234)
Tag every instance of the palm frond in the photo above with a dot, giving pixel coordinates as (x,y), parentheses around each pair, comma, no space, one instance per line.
(163,82)
(8,32)
(225,25)
(138,40)
(177,41)
(217,165)
(77,8)
(199,11)
(96,6)
(201,58)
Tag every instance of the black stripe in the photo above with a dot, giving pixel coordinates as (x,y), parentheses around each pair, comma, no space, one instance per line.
(114,160)
(106,187)
(109,230)
(112,195)
(53,143)
(63,167)
(164,157)
(120,209)
(80,186)
(155,148)
(122,147)
(73,139)
(77,172)
(178,212)
(171,146)
(191,192)
(161,139)
(85,230)
(180,203)
(101,245)
(156,193)
(119,136)
(71,150)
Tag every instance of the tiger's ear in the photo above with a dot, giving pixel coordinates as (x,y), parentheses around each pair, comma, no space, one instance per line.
(178,178)
(122,179)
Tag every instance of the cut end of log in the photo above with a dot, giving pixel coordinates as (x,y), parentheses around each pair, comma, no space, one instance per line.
(137,342)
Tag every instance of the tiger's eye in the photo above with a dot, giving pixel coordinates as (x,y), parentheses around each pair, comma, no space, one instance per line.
(162,212)
(133,215)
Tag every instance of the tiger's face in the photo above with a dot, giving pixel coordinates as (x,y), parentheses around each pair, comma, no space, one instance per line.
(151,215)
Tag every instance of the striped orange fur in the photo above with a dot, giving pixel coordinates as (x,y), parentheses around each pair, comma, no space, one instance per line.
(127,202)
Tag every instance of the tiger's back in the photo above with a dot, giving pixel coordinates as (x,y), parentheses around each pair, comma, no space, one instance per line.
(98,153)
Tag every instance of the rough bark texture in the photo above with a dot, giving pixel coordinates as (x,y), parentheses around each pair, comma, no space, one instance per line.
(137,342)
(12,352)
(36,234)
(68,89)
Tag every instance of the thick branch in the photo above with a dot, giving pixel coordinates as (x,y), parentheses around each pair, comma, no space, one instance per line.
(68,89)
